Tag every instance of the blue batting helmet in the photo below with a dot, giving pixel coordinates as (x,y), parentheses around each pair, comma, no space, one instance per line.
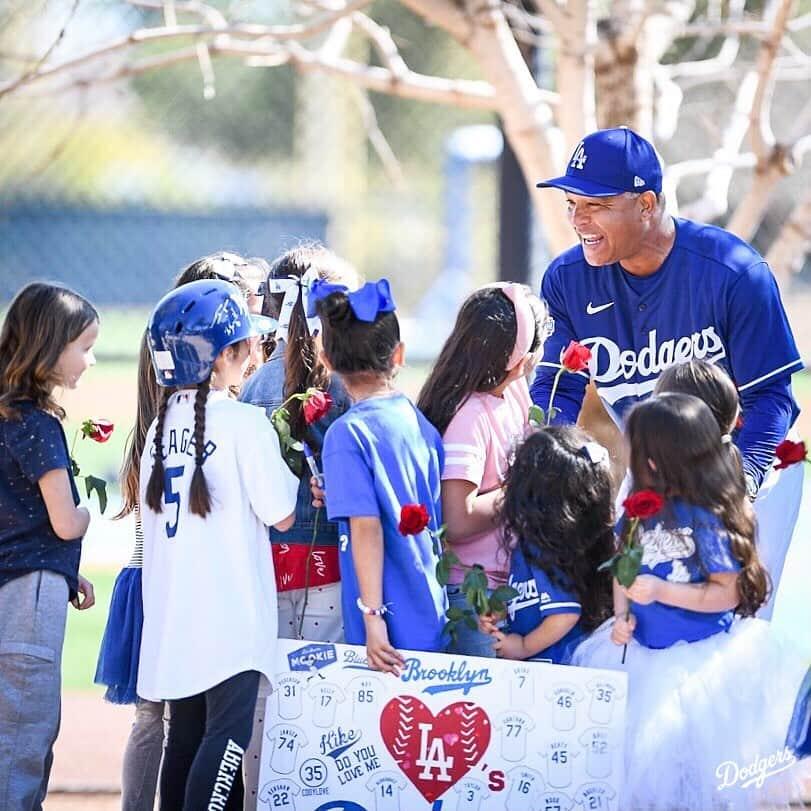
(192,324)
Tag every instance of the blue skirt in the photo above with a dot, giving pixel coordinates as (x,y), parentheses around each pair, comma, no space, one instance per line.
(121,646)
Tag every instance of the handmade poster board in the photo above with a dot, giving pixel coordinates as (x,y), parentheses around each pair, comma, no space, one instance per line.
(453,733)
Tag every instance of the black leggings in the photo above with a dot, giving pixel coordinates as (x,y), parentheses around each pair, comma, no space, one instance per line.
(207,737)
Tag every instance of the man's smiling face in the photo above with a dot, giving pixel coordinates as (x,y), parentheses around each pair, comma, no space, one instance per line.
(610,229)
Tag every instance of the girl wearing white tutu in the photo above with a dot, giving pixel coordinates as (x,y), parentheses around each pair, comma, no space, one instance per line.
(710,694)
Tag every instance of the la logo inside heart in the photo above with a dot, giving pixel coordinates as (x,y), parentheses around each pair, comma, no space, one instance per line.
(434,752)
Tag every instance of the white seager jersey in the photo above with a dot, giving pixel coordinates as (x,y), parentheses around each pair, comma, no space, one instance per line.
(208,584)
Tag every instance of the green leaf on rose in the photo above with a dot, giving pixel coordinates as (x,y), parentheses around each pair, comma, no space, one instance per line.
(504,594)
(455,613)
(628,565)
(95,485)
(470,621)
(536,416)
(610,564)
(443,571)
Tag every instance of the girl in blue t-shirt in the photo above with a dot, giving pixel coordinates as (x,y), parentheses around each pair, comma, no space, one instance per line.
(379,456)
(709,693)
(558,521)
(46,341)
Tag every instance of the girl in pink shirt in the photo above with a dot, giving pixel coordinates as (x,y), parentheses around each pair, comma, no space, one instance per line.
(477,397)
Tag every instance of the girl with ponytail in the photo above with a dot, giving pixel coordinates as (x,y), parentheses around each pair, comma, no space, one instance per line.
(708,683)
(382,463)
(305,558)
(212,479)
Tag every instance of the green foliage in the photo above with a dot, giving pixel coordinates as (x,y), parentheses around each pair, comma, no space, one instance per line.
(93,484)
(292,449)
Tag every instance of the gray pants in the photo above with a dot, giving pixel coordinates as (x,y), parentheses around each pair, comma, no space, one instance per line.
(33,610)
(142,757)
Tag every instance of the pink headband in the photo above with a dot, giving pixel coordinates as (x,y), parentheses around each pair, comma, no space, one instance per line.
(524,320)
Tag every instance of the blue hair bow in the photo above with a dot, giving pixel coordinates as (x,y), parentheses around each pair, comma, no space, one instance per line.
(366,303)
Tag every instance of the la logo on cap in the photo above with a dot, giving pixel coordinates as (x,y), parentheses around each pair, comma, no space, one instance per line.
(580,157)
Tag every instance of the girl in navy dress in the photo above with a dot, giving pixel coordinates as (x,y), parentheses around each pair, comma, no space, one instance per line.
(711,689)
(557,507)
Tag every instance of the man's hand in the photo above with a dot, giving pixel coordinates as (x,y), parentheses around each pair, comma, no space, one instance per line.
(86,590)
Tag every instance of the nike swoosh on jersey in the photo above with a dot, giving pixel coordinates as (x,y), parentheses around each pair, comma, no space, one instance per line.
(592,310)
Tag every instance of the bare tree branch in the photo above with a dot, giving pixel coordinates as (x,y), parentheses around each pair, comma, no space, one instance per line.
(383,44)
(788,252)
(247,31)
(211,15)
(377,139)
(774,160)
(29,74)
(714,202)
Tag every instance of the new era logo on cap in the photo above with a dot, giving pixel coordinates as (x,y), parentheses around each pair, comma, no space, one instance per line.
(610,162)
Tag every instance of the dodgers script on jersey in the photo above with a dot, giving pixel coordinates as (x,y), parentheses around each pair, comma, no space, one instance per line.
(713,298)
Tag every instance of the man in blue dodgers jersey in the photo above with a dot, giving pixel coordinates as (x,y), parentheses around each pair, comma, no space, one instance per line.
(644,290)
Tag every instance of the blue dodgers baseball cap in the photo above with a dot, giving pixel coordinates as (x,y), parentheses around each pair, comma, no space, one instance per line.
(610,162)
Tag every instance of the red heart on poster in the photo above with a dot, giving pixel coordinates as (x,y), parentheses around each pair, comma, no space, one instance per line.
(434,751)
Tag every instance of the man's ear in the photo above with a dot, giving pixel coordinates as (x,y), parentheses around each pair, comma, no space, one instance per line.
(647,200)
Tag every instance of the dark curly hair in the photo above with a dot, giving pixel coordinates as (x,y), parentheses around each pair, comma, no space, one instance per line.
(558,509)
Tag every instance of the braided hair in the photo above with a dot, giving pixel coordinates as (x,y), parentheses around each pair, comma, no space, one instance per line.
(199,496)
(154,488)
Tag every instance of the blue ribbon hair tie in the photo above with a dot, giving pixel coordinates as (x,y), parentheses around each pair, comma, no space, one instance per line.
(366,303)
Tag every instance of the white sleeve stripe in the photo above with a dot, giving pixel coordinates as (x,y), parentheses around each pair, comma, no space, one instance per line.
(771,374)
(545,606)
(450,447)
(558,366)
(465,461)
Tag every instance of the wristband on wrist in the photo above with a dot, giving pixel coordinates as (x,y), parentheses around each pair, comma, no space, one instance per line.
(371,612)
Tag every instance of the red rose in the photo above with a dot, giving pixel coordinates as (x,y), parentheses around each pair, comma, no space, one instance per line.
(316,406)
(97,430)
(789,453)
(643,504)
(413,519)
(576,357)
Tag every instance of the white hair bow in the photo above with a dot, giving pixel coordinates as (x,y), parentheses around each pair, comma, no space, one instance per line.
(292,287)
